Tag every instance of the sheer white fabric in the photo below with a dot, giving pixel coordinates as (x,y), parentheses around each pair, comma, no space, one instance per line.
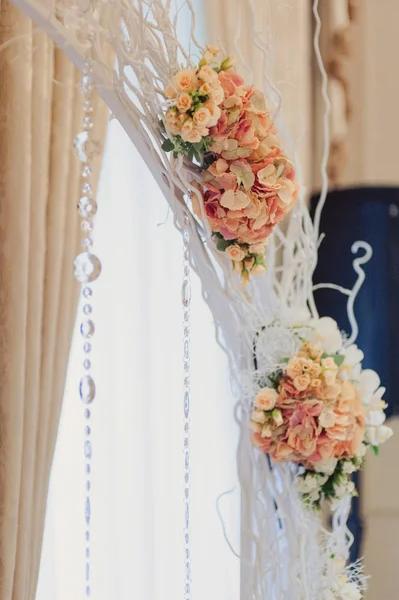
(137,464)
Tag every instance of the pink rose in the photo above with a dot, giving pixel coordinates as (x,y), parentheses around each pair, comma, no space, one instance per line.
(229,80)
(303,437)
(263,443)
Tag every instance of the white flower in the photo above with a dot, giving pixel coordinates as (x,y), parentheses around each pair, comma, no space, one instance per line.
(326,333)
(375,418)
(378,435)
(327,466)
(361,451)
(349,467)
(369,382)
(350,591)
(307,484)
(352,356)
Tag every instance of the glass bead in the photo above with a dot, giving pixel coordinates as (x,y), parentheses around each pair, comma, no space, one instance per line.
(88,450)
(87,267)
(87,243)
(186,236)
(86,364)
(86,85)
(86,345)
(87,413)
(88,591)
(186,294)
(87,123)
(86,226)
(87,107)
(86,171)
(87,292)
(87,309)
(87,188)
(186,402)
(87,207)
(86,69)
(87,572)
(87,552)
(85,147)
(88,469)
(87,512)
(87,430)
(87,329)
(87,389)
(87,536)
(88,484)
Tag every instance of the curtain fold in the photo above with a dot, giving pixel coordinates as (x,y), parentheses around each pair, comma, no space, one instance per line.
(40,113)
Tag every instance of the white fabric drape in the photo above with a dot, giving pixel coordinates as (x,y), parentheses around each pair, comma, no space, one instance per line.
(137,426)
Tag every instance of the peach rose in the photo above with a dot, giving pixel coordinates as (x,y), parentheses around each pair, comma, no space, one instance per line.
(302,382)
(315,383)
(195,135)
(282,452)
(294,368)
(235,252)
(187,127)
(185,80)
(184,102)
(201,117)
(313,370)
(266,431)
(266,398)
(327,417)
(205,89)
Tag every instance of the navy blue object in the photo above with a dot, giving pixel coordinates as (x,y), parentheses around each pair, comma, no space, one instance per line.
(370,214)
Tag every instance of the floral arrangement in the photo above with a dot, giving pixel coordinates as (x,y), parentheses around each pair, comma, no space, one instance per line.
(322,412)
(248,184)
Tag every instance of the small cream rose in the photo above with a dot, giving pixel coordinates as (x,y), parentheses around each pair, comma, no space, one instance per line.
(258,269)
(266,431)
(329,363)
(257,249)
(266,398)
(235,253)
(259,416)
(302,382)
(217,95)
(194,136)
(184,102)
(207,74)
(315,383)
(255,427)
(202,117)
(330,377)
(205,89)
(185,80)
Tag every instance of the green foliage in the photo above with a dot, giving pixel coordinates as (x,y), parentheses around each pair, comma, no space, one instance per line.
(375,450)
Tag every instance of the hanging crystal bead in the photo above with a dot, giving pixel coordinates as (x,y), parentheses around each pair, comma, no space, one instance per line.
(85,147)
(186,302)
(87,389)
(87,267)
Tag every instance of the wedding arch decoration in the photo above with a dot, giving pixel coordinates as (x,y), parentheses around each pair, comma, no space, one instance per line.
(307,411)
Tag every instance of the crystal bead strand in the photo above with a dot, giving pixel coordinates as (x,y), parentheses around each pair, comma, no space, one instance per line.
(186,300)
(87,269)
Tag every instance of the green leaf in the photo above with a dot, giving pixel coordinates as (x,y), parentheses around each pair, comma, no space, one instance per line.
(168,146)
(223,244)
(375,450)
(338,359)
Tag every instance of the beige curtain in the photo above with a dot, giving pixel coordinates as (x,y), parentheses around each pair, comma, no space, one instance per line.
(40,113)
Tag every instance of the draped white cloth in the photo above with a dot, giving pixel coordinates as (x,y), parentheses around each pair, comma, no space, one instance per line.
(137,481)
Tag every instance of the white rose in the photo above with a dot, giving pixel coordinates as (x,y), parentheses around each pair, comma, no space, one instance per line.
(361,451)
(258,416)
(369,382)
(327,466)
(378,435)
